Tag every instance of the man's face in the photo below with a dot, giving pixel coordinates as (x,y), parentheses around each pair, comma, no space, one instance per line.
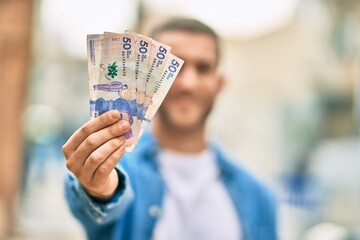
(192,95)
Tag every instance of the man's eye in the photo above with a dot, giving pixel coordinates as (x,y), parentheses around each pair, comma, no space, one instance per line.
(204,68)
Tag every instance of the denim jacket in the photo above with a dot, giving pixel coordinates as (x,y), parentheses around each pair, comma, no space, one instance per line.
(132,212)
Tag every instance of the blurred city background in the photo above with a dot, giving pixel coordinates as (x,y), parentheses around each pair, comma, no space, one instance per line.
(290,112)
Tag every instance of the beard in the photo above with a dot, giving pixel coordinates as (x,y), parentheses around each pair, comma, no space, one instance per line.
(168,120)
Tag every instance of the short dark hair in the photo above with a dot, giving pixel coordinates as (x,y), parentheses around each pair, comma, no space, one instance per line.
(188,25)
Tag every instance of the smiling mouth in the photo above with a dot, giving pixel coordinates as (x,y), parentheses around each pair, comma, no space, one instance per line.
(184,96)
(184,100)
(187,100)
(185,104)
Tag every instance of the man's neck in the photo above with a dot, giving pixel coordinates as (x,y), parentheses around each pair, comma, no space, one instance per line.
(179,139)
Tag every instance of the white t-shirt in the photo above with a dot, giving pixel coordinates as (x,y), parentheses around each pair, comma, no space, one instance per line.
(196,205)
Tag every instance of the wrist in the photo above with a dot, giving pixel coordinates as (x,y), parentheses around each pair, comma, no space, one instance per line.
(108,190)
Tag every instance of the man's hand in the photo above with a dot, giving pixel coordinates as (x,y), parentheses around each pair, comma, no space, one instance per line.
(93,151)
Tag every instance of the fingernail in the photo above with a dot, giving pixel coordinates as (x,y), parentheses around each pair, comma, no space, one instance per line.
(115,114)
(124,123)
(122,149)
(122,138)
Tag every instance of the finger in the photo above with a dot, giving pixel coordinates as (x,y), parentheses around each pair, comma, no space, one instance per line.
(95,140)
(98,157)
(108,165)
(88,128)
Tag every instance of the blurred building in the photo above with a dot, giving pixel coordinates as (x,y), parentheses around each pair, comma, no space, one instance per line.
(15,33)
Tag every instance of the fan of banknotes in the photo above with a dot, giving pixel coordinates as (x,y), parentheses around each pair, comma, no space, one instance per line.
(131,73)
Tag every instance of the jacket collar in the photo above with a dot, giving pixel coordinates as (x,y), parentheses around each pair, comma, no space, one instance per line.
(149,148)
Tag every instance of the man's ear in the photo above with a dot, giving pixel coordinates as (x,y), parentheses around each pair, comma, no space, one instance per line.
(222,81)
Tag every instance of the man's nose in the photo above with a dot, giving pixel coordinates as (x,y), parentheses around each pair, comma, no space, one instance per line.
(187,78)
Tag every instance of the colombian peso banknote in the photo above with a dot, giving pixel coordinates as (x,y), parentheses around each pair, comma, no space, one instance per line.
(131,73)
(170,72)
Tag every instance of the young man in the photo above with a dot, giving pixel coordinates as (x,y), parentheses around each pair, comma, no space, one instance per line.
(175,184)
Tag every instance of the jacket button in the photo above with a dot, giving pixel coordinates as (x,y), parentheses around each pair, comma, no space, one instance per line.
(154,211)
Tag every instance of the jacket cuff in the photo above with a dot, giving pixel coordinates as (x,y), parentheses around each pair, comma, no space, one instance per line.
(105,211)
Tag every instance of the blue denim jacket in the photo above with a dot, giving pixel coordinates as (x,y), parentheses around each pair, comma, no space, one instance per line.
(132,213)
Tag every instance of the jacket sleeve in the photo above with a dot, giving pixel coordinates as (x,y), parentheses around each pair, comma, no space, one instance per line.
(92,212)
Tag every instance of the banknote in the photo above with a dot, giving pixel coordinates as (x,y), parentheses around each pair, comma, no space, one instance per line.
(94,46)
(142,52)
(115,88)
(131,73)
(170,72)
(158,57)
